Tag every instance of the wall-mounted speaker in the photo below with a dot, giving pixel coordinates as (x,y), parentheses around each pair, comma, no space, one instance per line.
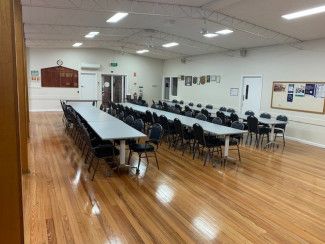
(243,52)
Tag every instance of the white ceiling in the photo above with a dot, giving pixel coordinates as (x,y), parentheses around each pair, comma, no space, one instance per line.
(151,23)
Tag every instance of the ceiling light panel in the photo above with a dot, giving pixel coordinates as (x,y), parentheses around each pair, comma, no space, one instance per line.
(117,17)
(210,35)
(77,44)
(224,32)
(142,51)
(304,13)
(171,44)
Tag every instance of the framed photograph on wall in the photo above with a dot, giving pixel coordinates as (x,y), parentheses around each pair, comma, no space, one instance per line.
(188,80)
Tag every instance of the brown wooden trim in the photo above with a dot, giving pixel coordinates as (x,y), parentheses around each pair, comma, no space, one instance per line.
(11,221)
(296,82)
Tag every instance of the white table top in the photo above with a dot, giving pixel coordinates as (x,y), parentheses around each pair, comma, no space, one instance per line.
(213,112)
(106,126)
(188,121)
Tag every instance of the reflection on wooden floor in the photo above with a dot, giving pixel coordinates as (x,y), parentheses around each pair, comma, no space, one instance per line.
(273,197)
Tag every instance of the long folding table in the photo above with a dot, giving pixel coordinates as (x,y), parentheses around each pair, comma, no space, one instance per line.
(106,126)
(215,129)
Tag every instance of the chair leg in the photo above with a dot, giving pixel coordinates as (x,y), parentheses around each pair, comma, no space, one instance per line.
(138,170)
(284,140)
(206,156)
(156,160)
(129,159)
(238,153)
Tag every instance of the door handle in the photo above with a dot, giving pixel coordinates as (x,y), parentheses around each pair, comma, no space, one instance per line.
(247,89)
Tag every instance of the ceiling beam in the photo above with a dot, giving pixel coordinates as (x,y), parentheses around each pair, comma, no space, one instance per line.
(175,11)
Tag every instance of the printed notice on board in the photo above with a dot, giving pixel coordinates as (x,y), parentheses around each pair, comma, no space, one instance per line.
(320,91)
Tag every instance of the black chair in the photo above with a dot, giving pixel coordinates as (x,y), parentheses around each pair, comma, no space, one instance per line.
(249,112)
(281,128)
(188,113)
(199,105)
(120,116)
(201,116)
(148,118)
(181,102)
(254,128)
(201,143)
(174,101)
(205,112)
(129,120)
(209,106)
(169,130)
(100,152)
(223,109)
(183,136)
(187,108)
(191,104)
(236,139)
(222,116)
(233,117)
(265,115)
(155,117)
(231,110)
(150,146)
(217,121)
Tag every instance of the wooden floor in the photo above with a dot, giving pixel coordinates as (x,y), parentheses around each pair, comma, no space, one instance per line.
(272,197)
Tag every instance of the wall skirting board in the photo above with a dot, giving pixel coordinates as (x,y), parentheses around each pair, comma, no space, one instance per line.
(305,142)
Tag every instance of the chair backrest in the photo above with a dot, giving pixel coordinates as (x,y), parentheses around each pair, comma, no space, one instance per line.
(199,105)
(252,123)
(191,104)
(249,112)
(174,101)
(188,113)
(282,118)
(201,116)
(265,115)
(224,109)
(205,112)
(149,117)
(155,117)
(217,121)
(155,133)
(120,115)
(138,125)
(233,117)
(222,116)
(198,133)
(178,127)
(238,125)
(231,110)
(163,121)
(129,120)
(209,106)
(181,102)
(187,108)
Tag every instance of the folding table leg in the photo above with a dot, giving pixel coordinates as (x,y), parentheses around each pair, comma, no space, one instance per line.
(226,151)
(122,152)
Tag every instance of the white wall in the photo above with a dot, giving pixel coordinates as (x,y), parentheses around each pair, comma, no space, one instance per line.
(279,63)
(148,73)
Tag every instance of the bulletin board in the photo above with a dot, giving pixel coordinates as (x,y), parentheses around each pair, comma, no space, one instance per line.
(299,96)
(59,76)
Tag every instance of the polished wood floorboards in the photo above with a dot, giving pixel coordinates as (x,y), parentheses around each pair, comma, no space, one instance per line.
(271,197)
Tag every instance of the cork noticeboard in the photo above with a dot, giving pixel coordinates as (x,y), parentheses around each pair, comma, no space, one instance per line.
(299,96)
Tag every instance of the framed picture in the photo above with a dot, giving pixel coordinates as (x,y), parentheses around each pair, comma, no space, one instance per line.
(234,92)
(194,80)
(203,80)
(188,80)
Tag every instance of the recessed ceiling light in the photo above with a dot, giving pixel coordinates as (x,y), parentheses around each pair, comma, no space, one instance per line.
(117,17)
(92,34)
(210,35)
(304,13)
(142,51)
(77,44)
(225,32)
(171,44)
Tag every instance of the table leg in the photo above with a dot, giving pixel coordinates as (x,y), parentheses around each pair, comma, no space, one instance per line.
(272,138)
(226,150)
(122,152)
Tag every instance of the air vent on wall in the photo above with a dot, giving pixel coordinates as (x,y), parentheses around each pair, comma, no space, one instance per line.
(90,66)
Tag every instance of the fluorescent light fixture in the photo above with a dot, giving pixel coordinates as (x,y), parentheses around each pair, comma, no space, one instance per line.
(210,35)
(117,17)
(92,34)
(304,13)
(77,44)
(142,51)
(171,44)
(225,32)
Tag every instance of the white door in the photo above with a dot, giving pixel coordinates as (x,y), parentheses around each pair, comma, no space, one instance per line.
(88,86)
(252,93)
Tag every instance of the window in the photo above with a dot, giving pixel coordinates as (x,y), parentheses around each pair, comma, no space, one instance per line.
(175,86)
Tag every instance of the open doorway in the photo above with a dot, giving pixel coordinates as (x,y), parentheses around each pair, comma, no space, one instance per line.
(113,88)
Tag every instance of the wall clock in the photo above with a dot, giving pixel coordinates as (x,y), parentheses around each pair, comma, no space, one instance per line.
(59,62)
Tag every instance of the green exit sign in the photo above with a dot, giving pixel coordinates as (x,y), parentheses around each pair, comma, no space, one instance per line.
(113,64)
